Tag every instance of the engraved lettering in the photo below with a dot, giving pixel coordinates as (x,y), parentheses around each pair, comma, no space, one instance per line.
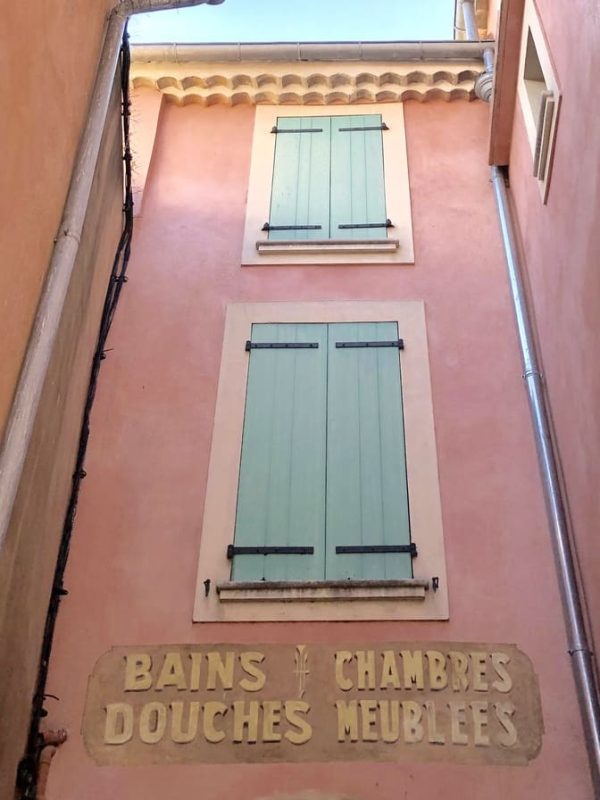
(479,710)
(153,721)
(295,711)
(504,712)
(257,678)
(412,664)
(365,668)
(389,714)
(457,722)
(500,662)
(171,673)
(347,718)
(118,727)
(411,722)
(368,710)
(137,672)
(438,677)
(389,671)
(220,668)
(245,720)
(178,734)
(210,712)
(342,657)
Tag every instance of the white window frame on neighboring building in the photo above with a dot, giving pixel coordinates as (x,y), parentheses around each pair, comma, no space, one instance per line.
(539,97)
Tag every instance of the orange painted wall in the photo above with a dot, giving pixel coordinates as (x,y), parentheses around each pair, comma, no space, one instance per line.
(48,59)
(561,245)
(30,548)
(132,569)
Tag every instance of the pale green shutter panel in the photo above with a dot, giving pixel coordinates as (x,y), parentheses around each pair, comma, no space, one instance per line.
(281,494)
(357,177)
(367,498)
(300,187)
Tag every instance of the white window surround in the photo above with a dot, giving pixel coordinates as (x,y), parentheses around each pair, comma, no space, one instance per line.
(397,249)
(534,89)
(334,600)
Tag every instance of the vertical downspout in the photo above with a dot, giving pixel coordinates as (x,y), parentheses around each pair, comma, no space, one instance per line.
(559,523)
(564,556)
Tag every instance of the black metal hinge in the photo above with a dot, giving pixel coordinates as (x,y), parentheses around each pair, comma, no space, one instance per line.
(382,127)
(399,343)
(280,345)
(275,129)
(379,548)
(233,551)
(387,224)
(268,227)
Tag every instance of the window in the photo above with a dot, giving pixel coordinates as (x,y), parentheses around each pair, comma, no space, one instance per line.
(539,97)
(322,490)
(328,186)
(322,441)
(328,179)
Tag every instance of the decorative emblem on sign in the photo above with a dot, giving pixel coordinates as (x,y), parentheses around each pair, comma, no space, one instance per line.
(301,670)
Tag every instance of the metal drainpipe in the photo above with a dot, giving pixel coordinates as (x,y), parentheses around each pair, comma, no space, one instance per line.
(21,420)
(485,81)
(563,548)
(564,556)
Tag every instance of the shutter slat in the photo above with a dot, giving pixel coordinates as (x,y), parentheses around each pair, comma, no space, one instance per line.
(367,502)
(281,495)
(300,188)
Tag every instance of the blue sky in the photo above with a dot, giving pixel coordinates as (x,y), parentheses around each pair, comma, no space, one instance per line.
(299,20)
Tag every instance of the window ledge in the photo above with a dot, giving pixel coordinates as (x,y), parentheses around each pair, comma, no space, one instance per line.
(289,592)
(291,246)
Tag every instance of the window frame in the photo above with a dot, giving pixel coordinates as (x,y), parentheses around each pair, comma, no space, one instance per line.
(532,31)
(290,603)
(397,248)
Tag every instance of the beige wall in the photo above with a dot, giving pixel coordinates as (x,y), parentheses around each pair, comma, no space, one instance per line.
(48,62)
(29,554)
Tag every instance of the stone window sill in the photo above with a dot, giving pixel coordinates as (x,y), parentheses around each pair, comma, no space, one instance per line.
(289,592)
(299,246)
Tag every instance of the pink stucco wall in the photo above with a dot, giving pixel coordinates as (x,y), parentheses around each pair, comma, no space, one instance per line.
(561,245)
(132,567)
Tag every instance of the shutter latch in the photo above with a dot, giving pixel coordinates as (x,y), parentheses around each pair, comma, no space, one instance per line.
(268,227)
(399,343)
(378,548)
(347,225)
(382,127)
(233,551)
(280,345)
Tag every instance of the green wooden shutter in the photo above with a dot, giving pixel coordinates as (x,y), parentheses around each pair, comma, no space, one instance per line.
(367,498)
(281,494)
(357,177)
(300,187)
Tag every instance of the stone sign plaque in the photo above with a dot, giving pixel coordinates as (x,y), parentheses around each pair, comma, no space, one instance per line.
(427,701)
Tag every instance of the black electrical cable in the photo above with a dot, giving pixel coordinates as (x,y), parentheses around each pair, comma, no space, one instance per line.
(28,767)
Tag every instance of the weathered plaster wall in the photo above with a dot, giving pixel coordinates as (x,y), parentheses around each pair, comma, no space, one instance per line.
(561,246)
(132,570)
(30,549)
(48,59)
